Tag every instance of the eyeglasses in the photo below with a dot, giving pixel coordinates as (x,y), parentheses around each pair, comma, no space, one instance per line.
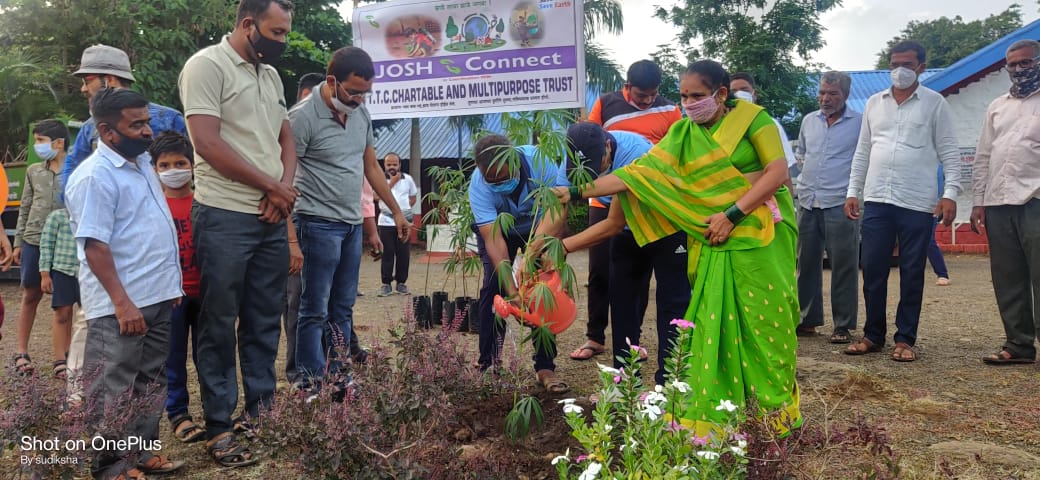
(1022,64)
(355,96)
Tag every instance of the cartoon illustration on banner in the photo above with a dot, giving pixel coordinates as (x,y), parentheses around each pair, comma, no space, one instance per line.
(452,57)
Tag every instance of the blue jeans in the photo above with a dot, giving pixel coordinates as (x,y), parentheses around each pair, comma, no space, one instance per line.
(243,266)
(331,261)
(883,224)
(184,321)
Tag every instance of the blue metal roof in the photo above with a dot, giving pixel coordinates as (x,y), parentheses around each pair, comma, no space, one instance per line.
(980,63)
(866,83)
(438,138)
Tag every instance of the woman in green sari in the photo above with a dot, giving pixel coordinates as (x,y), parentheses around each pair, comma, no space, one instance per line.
(718,175)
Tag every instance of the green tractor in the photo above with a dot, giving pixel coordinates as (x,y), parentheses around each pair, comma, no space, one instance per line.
(15,180)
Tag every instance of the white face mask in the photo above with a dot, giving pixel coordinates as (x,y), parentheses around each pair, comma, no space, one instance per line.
(175,177)
(340,106)
(903,78)
(745,96)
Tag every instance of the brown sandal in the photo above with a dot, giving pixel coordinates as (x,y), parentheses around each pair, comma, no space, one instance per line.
(900,353)
(552,383)
(862,347)
(1005,357)
(587,351)
(160,464)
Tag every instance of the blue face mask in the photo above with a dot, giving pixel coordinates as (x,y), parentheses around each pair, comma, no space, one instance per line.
(45,151)
(505,188)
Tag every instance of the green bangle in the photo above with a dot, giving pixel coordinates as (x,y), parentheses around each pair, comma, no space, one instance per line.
(734,214)
(575,192)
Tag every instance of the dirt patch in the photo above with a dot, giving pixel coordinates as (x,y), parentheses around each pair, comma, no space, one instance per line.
(947,395)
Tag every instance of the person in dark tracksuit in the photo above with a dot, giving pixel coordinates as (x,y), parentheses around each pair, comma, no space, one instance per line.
(631,266)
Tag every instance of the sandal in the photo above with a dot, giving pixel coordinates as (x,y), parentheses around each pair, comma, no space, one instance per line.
(132,474)
(185,429)
(60,369)
(1005,357)
(229,453)
(244,428)
(160,464)
(805,332)
(587,351)
(551,382)
(841,337)
(900,353)
(862,347)
(22,364)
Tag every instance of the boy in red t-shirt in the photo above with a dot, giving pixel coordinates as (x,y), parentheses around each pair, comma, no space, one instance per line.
(172,156)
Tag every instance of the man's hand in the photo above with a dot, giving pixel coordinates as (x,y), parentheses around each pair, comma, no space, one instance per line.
(719,228)
(295,258)
(14,259)
(404,228)
(978,219)
(131,322)
(947,211)
(563,194)
(376,245)
(46,284)
(6,255)
(280,197)
(852,208)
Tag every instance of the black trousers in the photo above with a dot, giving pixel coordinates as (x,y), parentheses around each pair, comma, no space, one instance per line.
(396,256)
(599,283)
(630,270)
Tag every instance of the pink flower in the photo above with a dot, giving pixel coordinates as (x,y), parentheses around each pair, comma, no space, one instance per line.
(700,441)
(683,324)
(675,427)
(739,436)
(635,347)
(581,458)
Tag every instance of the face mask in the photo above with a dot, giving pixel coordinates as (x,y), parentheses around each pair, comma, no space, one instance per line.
(745,96)
(1025,81)
(702,110)
(903,78)
(339,105)
(175,177)
(506,187)
(130,148)
(268,50)
(45,151)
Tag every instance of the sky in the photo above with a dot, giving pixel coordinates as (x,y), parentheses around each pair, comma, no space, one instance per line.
(856,31)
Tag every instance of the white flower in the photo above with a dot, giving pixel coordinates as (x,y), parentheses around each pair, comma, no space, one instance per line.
(738,451)
(607,427)
(632,444)
(682,387)
(742,443)
(658,388)
(562,458)
(654,398)
(571,408)
(727,406)
(708,454)
(566,401)
(610,370)
(651,411)
(591,471)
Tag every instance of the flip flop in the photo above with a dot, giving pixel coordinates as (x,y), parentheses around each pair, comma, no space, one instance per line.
(862,347)
(899,354)
(579,354)
(1005,357)
(159,464)
(840,337)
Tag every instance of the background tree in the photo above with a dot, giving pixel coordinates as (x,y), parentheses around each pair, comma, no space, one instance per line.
(671,68)
(602,16)
(948,40)
(760,37)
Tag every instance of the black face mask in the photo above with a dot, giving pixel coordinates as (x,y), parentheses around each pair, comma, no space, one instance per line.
(130,148)
(266,49)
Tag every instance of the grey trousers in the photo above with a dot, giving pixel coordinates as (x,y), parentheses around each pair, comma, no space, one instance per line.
(1014,258)
(125,380)
(828,229)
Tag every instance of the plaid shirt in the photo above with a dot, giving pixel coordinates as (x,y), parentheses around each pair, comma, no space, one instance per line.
(57,245)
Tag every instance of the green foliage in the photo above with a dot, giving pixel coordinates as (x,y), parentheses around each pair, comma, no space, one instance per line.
(525,413)
(28,96)
(577,218)
(761,38)
(948,40)
(668,59)
(602,16)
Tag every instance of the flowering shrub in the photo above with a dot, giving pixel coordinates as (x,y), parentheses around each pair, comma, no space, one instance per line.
(633,432)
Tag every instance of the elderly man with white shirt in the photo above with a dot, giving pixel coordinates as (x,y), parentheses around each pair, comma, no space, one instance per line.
(907,133)
(1006,191)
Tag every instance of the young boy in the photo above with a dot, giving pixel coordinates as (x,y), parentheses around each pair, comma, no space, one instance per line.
(39,199)
(173,158)
(58,270)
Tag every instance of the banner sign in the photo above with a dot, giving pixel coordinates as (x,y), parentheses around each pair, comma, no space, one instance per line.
(436,58)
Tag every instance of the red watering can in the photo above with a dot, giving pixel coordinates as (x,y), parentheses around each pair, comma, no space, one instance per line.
(536,314)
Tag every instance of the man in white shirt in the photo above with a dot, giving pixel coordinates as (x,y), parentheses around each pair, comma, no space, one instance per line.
(1006,191)
(907,133)
(395,250)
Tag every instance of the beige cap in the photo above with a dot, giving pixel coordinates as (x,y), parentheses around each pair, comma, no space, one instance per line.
(105,60)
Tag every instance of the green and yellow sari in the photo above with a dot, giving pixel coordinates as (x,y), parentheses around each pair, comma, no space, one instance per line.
(744,301)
